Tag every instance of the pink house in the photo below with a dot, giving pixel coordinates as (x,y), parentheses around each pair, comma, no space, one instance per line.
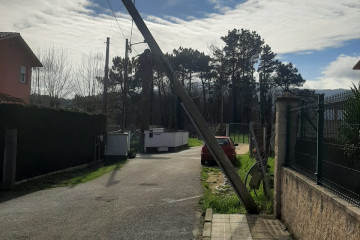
(16,62)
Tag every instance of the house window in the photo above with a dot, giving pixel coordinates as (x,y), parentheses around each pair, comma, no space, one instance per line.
(23,74)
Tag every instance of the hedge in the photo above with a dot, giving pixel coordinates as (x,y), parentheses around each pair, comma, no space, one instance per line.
(49,139)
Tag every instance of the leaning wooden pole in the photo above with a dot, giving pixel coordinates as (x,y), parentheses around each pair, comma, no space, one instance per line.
(209,138)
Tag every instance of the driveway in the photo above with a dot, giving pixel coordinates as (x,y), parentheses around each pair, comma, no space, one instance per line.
(152,197)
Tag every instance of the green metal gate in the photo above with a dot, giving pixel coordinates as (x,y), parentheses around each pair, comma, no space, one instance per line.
(238,132)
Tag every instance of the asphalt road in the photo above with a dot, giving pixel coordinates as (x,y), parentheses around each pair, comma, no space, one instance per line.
(152,197)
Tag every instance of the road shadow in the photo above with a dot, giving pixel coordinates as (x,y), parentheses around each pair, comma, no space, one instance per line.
(156,156)
(67,179)
(111,181)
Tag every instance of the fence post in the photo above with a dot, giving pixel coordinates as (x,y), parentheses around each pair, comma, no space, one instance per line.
(320,128)
(284,146)
(288,127)
(302,120)
(9,167)
(251,143)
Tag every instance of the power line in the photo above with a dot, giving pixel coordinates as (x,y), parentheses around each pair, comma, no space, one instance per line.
(135,50)
(71,47)
(80,46)
(132,25)
(116,18)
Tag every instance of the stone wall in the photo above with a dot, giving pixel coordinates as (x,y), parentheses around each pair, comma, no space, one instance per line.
(313,212)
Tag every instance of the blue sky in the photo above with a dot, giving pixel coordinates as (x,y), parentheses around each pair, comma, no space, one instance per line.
(311,64)
(321,38)
(183,9)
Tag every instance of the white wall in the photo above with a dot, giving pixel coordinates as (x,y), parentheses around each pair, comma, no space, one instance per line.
(117,144)
(166,139)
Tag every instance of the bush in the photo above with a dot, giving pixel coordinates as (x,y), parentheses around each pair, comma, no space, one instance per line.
(351,125)
(49,139)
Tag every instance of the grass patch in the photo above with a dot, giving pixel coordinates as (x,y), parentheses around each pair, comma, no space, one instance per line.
(194,142)
(70,178)
(246,162)
(226,202)
(220,202)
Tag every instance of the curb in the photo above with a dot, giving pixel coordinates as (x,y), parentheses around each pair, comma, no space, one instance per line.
(206,235)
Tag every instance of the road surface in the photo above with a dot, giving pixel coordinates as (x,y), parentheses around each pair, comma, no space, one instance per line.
(152,197)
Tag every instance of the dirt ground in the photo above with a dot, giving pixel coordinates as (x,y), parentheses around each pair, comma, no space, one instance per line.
(217,181)
(242,148)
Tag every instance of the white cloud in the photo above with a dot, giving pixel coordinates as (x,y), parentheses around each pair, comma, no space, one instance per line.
(338,74)
(172,2)
(219,5)
(287,26)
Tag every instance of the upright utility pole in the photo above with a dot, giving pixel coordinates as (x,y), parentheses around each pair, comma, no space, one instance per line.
(146,82)
(199,122)
(125,84)
(106,77)
(145,68)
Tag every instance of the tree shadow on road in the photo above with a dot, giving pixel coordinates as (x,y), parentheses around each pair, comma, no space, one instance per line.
(64,179)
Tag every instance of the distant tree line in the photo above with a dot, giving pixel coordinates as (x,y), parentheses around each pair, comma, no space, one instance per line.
(233,83)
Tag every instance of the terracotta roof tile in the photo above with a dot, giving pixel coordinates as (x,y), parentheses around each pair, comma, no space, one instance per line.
(7,35)
(4,98)
(17,37)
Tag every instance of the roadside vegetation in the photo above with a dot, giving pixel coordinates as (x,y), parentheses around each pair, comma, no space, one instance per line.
(221,198)
(70,178)
(226,76)
(194,142)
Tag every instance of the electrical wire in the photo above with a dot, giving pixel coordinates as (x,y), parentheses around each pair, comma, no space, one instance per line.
(71,47)
(80,46)
(132,25)
(116,19)
(135,50)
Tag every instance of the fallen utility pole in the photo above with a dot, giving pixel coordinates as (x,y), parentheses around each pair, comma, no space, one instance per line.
(194,114)
(145,67)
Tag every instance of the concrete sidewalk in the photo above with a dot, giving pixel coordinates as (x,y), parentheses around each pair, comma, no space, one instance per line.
(243,227)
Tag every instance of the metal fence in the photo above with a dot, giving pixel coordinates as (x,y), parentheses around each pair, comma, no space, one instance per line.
(239,132)
(328,143)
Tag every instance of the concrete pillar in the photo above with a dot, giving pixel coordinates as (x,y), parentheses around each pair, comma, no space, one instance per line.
(282,104)
(9,167)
